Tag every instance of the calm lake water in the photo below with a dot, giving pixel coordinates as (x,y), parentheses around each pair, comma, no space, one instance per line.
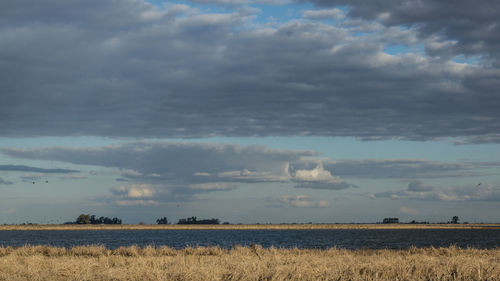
(350,239)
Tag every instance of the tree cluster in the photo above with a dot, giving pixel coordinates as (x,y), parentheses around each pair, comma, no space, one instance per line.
(91,219)
(162,220)
(194,220)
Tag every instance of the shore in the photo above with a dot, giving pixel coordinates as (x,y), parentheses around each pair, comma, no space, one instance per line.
(245,226)
(246,263)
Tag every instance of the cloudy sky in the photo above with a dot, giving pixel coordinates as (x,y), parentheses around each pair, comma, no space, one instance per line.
(250,110)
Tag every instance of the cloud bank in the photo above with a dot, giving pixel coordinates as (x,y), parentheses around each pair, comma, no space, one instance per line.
(467,27)
(172,171)
(420,191)
(152,172)
(129,68)
(23,168)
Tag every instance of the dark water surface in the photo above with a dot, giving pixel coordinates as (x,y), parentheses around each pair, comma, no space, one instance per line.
(349,238)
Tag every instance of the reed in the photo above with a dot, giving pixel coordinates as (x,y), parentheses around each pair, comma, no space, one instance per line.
(246,263)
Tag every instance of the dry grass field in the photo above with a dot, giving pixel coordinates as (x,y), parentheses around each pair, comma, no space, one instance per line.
(246,263)
(245,226)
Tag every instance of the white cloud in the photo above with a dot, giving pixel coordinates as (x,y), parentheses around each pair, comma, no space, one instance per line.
(213,186)
(247,175)
(318,178)
(129,173)
(318,174)
(201,174)
(408,211)
(448,197)
(135,195)
(135,191)
(302,201)
(140,192)
(136,202)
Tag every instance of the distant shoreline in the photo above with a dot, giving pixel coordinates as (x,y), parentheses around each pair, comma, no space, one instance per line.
(245,226)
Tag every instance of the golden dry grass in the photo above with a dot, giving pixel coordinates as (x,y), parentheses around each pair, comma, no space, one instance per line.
(246,263)
(246,226)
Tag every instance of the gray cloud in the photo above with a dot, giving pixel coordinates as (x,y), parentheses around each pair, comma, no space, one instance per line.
(159,161)
(191,163)
(325,185)
(32,177)
(173,171)
(335,14)
(418,186)
(471,27)
(494,138)
(183,170)
(457,193)
(401,168)
(121,179)
(22,168)
(2,181)
(233,3)
(128,68)
(73,177)
(299,201)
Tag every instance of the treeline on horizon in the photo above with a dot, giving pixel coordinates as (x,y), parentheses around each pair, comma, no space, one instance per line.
(191,220)
(194,220)
(92,219)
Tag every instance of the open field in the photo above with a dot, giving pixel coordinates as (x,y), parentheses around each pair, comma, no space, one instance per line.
(246,226)
(246,263)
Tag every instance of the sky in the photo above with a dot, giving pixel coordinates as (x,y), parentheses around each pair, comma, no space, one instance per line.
(250,111)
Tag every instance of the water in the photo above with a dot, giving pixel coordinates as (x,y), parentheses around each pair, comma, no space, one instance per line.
(322,239)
